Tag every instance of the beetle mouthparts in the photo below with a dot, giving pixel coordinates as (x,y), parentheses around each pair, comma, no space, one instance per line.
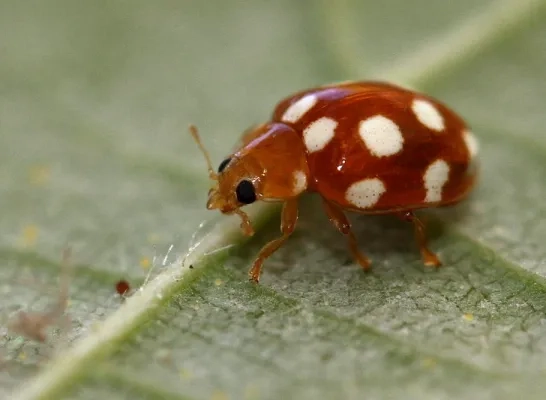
(217,202)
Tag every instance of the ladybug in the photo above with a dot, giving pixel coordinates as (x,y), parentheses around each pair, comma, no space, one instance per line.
(365,147)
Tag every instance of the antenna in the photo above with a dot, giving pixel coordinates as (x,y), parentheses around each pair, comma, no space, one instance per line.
(195,134)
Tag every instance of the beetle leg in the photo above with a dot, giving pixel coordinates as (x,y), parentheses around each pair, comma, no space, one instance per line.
(429,258)
(342,224)
(289,217)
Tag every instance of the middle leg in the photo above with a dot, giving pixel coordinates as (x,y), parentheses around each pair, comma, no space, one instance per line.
(339,219)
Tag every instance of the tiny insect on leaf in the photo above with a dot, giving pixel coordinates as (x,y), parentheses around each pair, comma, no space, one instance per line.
(122,287)
(34,325)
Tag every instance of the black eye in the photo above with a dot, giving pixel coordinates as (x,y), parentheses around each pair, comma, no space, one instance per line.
(245,192)
(223,164)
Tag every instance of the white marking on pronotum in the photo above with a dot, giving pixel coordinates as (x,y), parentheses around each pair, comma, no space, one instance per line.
(381,136)
(299,108)
(435,177)
(300,182)
(471,143)
(319,133)
(428,114)
(365,193)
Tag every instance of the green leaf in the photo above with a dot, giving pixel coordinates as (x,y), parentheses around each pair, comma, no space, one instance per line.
(94,106)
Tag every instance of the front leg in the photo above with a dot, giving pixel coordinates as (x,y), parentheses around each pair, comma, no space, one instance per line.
(289,217)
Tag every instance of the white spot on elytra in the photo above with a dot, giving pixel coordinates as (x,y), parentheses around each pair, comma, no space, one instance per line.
(299,108)
(319,133)
(471,143)
(428,114)
(381,136)
(435,177)
(365,193)
(300,182)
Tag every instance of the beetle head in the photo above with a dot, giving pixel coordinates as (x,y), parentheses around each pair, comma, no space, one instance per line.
(269,165)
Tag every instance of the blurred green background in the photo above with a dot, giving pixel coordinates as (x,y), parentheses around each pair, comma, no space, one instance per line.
(95,99)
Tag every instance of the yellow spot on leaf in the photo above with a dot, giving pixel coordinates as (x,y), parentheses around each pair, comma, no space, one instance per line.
(428,362)
(29,235)
(39,175)
(251,392)
(185,374)
(218,282)
(468,317)
(144,263)
(218,395)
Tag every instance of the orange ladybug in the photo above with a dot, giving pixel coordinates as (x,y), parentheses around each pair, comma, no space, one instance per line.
(365,147)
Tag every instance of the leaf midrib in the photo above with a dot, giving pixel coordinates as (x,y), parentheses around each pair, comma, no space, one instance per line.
(122,379)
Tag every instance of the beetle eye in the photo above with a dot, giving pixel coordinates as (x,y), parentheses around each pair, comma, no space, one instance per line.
(245,192)
(223,164)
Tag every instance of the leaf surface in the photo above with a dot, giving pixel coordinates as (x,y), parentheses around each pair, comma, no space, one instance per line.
(94,107)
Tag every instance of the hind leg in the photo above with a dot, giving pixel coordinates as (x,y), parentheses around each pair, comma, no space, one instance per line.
(429,258)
